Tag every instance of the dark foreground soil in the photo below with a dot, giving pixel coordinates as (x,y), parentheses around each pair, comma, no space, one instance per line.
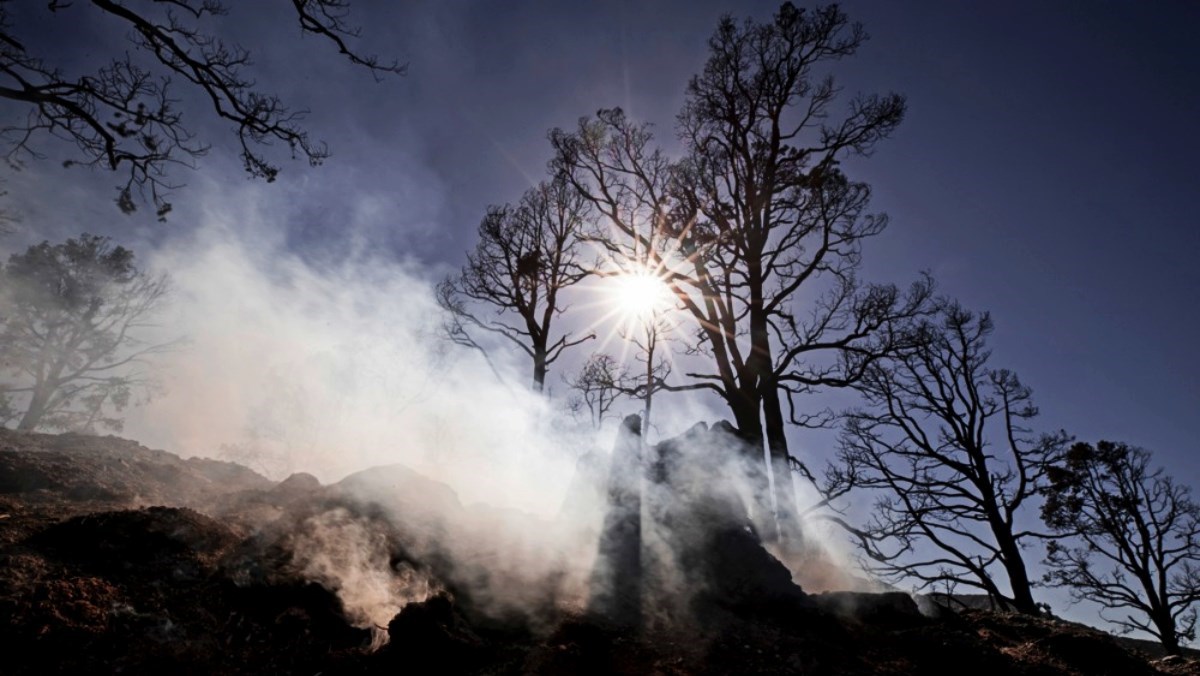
(118,559)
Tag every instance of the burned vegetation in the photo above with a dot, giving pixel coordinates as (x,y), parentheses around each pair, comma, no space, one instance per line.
(122,559)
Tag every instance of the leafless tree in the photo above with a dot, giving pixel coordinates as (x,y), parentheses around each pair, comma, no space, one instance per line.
(652,344)
(72,343)
(1134,542)
(650,339)
(943,440)
(512,284)
(756,215)
(124,116)
(598,384)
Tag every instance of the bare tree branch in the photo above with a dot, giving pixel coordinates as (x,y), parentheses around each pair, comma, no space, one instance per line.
(123,117)
(1135,539)
(942,442)
(527,255)
(755,216)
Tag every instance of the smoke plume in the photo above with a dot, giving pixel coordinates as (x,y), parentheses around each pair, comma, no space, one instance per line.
(335,365)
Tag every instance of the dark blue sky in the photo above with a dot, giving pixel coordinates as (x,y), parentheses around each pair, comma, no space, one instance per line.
(1045,171)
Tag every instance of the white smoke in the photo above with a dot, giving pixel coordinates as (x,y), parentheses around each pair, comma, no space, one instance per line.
(334,365)
(352,557)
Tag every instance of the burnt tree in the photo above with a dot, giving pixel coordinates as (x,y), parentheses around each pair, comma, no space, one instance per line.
(943,439)
(757,214)
(512,284)
(649,335)
(123,117)
(598,383)
(1133,539)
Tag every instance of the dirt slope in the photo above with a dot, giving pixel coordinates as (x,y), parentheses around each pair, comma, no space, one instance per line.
(117,558)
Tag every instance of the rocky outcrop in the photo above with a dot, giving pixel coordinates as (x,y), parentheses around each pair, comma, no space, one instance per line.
(678,543)
(617,580)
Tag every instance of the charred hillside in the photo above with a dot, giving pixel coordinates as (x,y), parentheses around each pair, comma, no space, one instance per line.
(118,558)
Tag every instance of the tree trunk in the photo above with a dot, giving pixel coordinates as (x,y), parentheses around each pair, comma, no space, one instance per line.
(787,520)
(1018,577)
(756,380)
(646,416)
(539,369)
(1010,550)
(1166,632)
(749,425)
(37,408)
(651,345)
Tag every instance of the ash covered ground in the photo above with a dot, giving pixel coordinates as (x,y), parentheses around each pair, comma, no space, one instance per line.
(121,559)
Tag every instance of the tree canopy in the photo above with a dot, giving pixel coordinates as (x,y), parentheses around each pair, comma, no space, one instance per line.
(756,209)
(1134,539)
(72,323)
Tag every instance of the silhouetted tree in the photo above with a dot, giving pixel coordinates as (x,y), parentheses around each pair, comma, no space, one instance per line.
(123,117)
(1136,539)
(756,215)
(943,438)
(649,337)
(71,343)
(526,256)
(600,381)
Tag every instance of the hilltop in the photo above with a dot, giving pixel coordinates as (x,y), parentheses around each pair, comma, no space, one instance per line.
(119,558)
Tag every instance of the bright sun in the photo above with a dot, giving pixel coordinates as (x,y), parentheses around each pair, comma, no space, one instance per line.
(640,295)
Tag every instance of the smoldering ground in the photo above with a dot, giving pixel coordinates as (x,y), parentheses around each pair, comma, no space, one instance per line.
(333,367)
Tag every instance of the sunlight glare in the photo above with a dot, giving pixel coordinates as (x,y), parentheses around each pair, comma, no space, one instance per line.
(640,295)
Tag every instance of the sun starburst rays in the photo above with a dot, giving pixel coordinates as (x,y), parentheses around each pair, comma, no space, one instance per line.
(629,300)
